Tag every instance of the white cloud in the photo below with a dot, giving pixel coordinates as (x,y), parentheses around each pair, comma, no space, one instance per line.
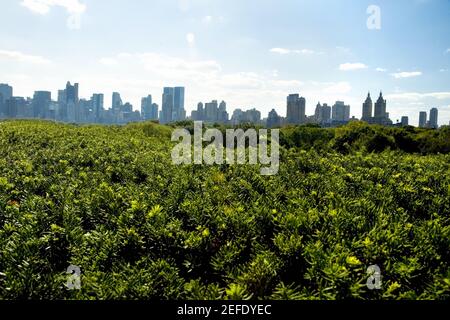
(205,80)
(352,66)
(401,75)
(280,50)
(73,7)
(443,70)
(296,51)
(305,51)
(190,38)
(380,69)
(448,50)
(43,6)
(22,57)
(416,96)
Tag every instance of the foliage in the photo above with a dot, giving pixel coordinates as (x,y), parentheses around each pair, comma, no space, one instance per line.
(109,199)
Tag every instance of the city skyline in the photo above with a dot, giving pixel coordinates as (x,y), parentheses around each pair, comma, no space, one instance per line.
(70,107)
(223,51)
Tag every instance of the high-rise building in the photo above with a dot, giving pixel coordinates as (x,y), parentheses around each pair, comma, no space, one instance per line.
(405,121)
(434,118)
(340,112)
(273,119)
(237,116)
(252,116)
(367,109)
(167,105)
(70,108)
(422,119)
(97,101)
(380,115)
(146,107)
(178,112)
(6,93)
(322,114)
(41,103)
(198,115)
(154,112)
(116,101)
(173,105)
(296,109)
(222,112)
(212,111)
(72,93)
(380,108)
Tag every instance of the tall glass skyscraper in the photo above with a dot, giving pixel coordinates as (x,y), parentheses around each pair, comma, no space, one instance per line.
(173,105)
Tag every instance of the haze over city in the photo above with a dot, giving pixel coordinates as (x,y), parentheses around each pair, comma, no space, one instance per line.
(224,50)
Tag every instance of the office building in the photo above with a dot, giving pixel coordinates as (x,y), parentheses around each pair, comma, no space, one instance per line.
(273,119)
(405,121)
(322,114)
(340,112)
(173,105)
(367,109)
(146,108)
(116,101)
(422,119)
(178,112)
(434,118)
(296,109)
(41,103)
(6,93)
(97,102)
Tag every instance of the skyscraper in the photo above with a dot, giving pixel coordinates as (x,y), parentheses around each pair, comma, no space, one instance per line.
(273,120)
(367,109)
(146,107)
(198,115)
(41,103)
(434,118)
(116,101)
(422,119)
(322,114)
(296,109)
(317,112)
(380,108)
(16,107)
(72,99)
(173,105)
(6,93)
(212,111)
(341,112)
(154,112)
(167,105)
(178,112)
(405,121)
(72,93)
(223,114)
(252,116)
(97,105)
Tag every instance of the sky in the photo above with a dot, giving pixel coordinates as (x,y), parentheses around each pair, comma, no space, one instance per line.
(250,53)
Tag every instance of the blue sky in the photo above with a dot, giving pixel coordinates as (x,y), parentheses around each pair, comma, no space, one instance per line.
(250,53)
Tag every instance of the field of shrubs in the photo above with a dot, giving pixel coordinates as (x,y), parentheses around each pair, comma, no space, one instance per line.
(109,200)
